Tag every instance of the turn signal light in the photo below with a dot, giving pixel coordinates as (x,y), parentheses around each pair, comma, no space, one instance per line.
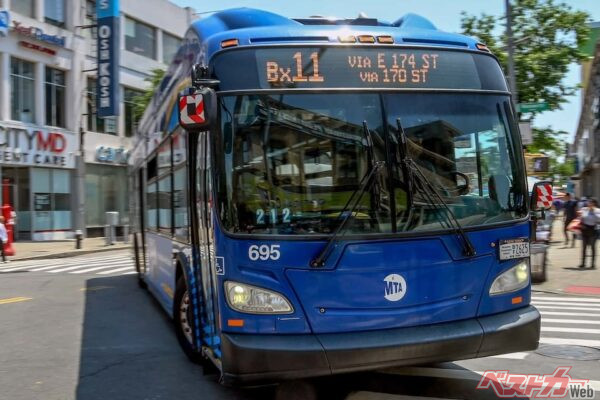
(385,39)
(366,39)
(482,47)
(237,323)
(229,43)
(517,300)
(347,39)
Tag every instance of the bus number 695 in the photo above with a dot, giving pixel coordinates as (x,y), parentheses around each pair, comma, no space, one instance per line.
(264,252)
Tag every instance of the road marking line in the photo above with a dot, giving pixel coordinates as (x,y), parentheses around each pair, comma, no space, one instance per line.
(130,273)
(511,356)
(570,341)
(14,300)
(570,330)
(582,314)
(83,271)
(95,288)
(560,303)
(451,373)
(78,266)
(567,308)
(567,299)
(570,321)
(112,271)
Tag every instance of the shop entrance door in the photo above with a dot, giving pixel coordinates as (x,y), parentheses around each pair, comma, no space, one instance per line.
(15,192)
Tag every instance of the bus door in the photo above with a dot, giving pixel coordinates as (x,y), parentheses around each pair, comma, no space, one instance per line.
(206,243)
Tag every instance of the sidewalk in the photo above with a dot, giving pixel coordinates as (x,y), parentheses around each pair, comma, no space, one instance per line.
(27,250)
(563,272)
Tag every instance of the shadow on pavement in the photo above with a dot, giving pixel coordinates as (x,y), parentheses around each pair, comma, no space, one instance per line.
(129,350)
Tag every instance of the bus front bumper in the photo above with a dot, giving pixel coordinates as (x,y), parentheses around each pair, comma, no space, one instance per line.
(267,358)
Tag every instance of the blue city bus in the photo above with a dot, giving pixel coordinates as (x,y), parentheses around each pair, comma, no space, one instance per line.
(320,196)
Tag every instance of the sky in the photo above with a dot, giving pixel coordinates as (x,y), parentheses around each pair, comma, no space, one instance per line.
(443,13)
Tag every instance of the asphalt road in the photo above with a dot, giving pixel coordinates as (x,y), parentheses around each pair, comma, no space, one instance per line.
(67,334)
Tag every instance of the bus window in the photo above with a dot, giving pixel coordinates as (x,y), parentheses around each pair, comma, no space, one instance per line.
(152,206)
(164,204)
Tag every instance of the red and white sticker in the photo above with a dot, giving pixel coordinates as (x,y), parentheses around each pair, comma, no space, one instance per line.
(191,109)
(544,196)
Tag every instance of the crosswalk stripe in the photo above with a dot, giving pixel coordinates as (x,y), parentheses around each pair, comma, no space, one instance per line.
(570,314)
(570,341)
(83,271)
(569,321)
(559,303)
(451,373)
(112,271)
(130,273)
(570,330)
(511,356)
(567,308)
(49,264)
(78,266)
(566,299)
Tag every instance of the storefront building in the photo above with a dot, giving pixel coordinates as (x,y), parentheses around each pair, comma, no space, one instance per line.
(586,146)
(47,109)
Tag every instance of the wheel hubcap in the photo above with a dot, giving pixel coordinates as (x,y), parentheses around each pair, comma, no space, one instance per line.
(184,317)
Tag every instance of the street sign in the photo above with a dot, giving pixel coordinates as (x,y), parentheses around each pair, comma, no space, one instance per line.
(532,107)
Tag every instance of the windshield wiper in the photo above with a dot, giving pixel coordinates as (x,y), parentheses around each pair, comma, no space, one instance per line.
(430,193)
(346,213)
(365,182)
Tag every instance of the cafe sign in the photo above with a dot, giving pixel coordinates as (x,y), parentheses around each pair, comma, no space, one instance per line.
(31,146)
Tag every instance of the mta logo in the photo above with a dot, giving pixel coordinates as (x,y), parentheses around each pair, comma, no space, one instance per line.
(395,287)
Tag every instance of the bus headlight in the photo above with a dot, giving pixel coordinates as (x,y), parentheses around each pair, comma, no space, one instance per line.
(514,279)
(254,300)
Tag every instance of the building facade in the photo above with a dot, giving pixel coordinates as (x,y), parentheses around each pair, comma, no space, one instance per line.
(61,166)
(586,146)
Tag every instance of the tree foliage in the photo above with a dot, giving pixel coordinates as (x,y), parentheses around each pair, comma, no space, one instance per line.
(143,100)
(547,37)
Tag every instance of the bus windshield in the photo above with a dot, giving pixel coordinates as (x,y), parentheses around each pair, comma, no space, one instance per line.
(287,163)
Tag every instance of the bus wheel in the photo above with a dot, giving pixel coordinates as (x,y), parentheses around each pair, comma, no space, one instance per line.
(183,317)
(138,264)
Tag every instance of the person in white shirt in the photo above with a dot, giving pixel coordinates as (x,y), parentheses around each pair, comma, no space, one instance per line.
(3,237)
(590,219)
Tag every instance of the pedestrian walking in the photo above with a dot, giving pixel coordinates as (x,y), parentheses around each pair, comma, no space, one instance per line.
(570,207)
(3,237)
(590,219)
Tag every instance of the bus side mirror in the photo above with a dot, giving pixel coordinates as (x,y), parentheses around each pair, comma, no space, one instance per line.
(541,196)
(197,109)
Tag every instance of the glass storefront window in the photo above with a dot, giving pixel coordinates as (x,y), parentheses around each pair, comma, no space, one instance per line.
(23,7)
(22,90)
(129,96)
(170,46)
(140,38)
(51,199)
(55,97)
(105,190)
(54,12)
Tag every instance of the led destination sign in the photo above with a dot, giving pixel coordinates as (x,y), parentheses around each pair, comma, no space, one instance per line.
(359,67)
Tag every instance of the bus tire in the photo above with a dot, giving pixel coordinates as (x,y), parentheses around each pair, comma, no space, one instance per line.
(183,321)
(138,267)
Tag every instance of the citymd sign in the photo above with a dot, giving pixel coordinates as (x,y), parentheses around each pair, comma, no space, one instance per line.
(107,86)
(36,147)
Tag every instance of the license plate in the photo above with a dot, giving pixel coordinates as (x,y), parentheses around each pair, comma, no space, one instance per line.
(513,248)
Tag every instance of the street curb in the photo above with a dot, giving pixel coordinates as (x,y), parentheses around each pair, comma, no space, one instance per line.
(71,253)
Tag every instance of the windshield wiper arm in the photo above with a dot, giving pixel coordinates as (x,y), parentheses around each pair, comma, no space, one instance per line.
(346,213)
(431,193)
